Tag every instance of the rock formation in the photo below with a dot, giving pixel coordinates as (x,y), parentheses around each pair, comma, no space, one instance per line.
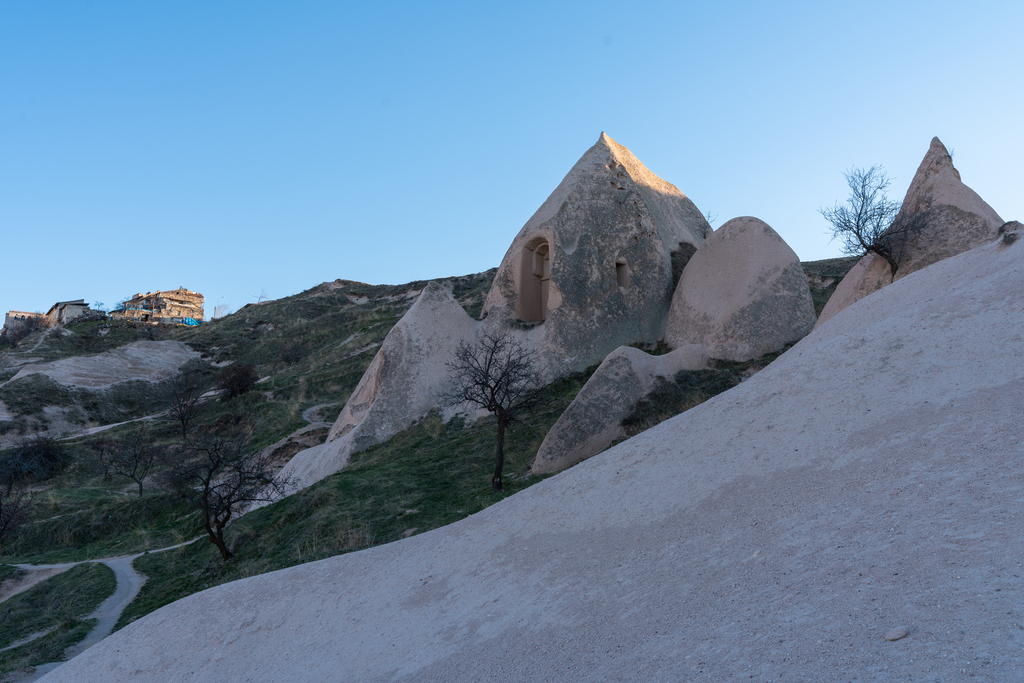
(592,270)
(943,218)
(151,361)
(594,419)
(742,295)
(402,384)
(780,530)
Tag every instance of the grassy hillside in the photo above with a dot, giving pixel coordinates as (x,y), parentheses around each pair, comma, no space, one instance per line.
(824,276)
(312,348)
(56,608)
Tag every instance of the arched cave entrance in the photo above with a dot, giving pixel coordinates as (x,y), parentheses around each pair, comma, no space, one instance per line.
(534,279)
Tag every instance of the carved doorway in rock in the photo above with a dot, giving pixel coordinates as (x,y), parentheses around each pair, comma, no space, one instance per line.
(534,281)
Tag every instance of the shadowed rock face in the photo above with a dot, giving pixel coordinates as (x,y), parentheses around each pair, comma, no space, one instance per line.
(742,295)
(594,419)
(402,384)
(948,218)
(592,269)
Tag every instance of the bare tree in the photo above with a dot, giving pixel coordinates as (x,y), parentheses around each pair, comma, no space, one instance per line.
(222,479)
(14,506)
(499,375)
(710,218)
(184,392)
(867,222)
(132,456)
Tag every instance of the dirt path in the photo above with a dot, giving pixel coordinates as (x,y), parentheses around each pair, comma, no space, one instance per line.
(312,416)
(46,333)
(103,428)
(31,576)
(129,583)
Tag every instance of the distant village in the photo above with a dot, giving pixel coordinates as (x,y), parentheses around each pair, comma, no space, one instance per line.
(171,307)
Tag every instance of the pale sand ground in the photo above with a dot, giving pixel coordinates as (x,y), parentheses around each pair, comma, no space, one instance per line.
(871,478)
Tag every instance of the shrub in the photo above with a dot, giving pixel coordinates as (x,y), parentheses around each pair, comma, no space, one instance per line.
(38,457)
(237,379)
(668,398)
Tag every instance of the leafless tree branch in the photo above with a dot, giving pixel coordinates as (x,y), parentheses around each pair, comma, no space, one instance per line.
(499,375)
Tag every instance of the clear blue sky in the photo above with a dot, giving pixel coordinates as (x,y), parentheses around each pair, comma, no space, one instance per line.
(240,147)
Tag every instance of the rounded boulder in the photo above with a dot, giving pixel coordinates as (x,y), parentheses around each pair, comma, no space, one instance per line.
(742,295)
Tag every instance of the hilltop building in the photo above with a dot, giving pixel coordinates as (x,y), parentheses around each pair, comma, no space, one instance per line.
(61,313)
(14,318)
(64,312)
(176,306)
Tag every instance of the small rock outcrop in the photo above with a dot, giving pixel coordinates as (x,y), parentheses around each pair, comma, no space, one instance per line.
(403,383)
(945,217)
(593,421)
(151,361)
(742,295)
(596,265)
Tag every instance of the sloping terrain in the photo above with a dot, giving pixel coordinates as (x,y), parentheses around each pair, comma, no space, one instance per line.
(868,479)
(313,347)
(150,361)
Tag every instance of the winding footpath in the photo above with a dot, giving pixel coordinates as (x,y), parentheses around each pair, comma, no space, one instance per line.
(129,583)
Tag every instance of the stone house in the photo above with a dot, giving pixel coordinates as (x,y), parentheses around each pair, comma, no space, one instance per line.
(176,306)
(64,312)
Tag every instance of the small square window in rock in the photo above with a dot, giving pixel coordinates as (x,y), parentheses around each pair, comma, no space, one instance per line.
(622,273)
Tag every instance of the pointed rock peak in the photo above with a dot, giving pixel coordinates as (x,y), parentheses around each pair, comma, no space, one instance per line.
(434,289)
(617,152)
(936,160)
(937,182)
(433,296)
(621,160)
(606,141)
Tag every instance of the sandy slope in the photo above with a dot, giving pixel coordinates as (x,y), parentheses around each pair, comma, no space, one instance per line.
(870,478)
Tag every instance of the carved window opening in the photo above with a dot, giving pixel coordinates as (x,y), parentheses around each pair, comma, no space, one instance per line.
(534,281)
(622,273)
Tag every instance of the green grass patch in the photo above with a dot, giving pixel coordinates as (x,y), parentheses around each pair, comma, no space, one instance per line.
(688,389)
(670,397)
(60,603)
(73,525)
(824,276)
(9,571)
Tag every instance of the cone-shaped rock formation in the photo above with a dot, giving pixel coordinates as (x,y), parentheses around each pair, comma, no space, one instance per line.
(940,217)
(402,384)
(592,270)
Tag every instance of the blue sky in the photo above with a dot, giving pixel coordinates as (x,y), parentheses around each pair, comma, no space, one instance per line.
(240,147)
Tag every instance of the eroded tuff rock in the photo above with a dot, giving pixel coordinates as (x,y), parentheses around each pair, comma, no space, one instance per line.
(742,533)
(151,361)
(742,295)
(592,270)
(593,421)
(946,218)
(402,384)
